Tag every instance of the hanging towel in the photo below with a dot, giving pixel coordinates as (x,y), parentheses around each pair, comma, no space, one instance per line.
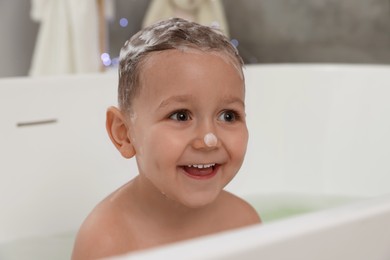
(68,38)
(205,12)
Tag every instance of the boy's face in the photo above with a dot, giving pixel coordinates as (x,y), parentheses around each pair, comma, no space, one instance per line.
(184,96)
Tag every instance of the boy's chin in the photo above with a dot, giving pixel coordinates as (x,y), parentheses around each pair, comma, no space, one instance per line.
(198,201)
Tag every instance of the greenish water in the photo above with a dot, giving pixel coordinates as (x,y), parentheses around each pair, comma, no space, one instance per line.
(55,247)
(281,206)
(284,212)
(270,208)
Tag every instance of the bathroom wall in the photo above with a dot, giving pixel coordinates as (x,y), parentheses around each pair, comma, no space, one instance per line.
(274,31)
(268,31)
(311,30)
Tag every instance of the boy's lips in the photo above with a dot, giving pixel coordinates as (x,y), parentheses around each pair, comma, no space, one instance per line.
(201,171)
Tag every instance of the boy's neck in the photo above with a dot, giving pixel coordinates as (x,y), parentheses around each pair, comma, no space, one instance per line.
(153,203)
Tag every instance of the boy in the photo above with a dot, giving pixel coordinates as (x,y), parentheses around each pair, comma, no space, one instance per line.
(182,115)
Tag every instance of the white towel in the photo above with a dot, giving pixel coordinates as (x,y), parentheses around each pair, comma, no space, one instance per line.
(68,38)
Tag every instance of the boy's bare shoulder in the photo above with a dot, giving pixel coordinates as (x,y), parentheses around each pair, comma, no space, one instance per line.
(103,233)
(239,210)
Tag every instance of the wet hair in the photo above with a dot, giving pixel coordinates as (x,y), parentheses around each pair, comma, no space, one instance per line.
(174,33)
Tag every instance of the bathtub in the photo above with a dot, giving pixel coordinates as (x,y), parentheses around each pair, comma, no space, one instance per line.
(316,167)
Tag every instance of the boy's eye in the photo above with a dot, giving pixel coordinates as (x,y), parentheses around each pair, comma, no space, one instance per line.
(228,116)
(180,116)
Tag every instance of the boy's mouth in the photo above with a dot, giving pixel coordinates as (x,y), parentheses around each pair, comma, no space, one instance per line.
(201,171)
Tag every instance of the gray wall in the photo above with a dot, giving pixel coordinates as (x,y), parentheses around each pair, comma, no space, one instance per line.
(17,37)
(311,30)
(275,31)
(268,31)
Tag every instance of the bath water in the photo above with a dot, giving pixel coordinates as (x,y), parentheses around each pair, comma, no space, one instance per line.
(270,207)
(273,207)
(58,247)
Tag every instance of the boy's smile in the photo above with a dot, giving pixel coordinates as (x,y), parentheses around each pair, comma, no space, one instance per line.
(184,96)
(201,171)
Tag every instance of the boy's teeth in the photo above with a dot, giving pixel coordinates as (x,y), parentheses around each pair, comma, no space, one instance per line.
(201,166)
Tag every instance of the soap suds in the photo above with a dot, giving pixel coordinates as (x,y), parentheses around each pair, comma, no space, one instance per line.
(210,140)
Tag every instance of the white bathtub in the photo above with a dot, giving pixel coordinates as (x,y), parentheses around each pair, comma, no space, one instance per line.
(319,140)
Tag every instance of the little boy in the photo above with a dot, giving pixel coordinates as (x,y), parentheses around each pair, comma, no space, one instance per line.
(182,115)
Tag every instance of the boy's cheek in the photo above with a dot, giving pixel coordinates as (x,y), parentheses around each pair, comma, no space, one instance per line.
(237,139)
(167,138)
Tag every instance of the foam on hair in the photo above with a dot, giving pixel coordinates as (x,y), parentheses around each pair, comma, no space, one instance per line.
(174,33)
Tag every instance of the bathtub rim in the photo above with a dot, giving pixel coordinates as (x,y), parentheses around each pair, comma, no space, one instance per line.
(265,236)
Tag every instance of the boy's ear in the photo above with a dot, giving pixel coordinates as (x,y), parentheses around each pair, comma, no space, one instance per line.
(119,133)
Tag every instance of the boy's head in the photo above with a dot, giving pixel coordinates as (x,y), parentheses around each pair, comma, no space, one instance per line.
(170,34)
(182,111)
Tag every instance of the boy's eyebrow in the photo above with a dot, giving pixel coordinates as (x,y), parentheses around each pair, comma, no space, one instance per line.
(179,99)
(229,100)
(185,98)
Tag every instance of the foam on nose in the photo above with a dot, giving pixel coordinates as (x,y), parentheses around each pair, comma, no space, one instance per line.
(210,140)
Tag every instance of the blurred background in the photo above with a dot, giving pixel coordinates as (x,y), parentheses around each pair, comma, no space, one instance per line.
(265,31)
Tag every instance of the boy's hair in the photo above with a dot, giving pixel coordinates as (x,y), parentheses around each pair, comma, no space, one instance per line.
(174,33)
